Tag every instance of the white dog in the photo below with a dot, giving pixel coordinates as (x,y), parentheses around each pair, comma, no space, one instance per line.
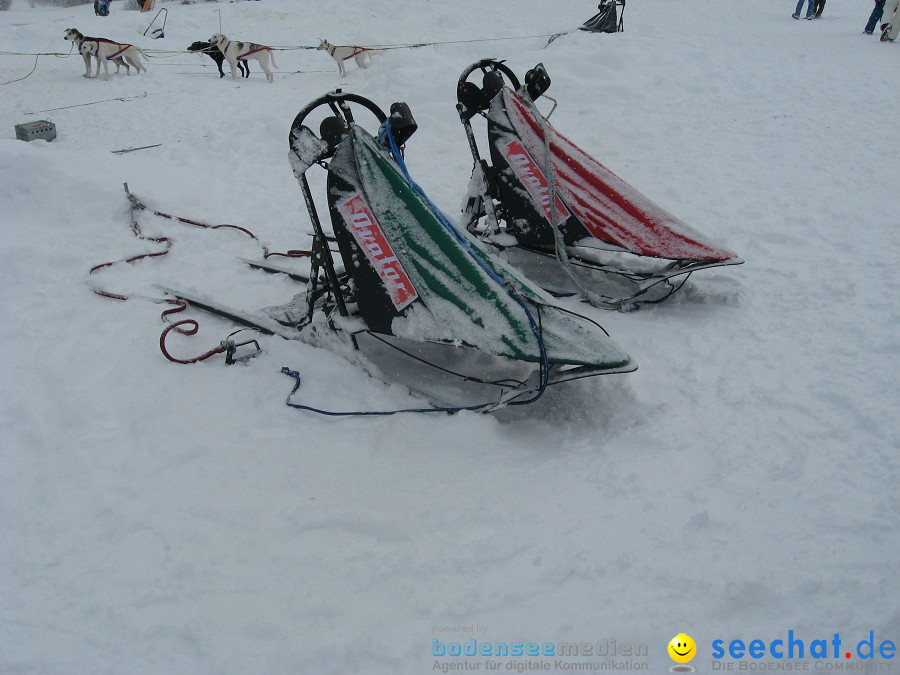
(74,35)
(341,53)
(105,51)
(235,51)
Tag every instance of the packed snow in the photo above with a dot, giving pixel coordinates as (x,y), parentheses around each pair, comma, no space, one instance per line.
(743,483)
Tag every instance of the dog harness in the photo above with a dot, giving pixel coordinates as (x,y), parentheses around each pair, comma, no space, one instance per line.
(356,52)
(122,47)
(243,57)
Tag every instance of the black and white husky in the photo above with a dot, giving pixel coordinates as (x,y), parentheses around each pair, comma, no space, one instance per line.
(203,47)
(235,51)
(74,35)
(105,51)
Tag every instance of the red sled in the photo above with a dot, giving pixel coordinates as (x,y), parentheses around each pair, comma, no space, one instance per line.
(558,214)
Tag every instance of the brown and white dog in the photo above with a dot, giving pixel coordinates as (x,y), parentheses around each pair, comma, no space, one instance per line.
(106,50)
(341,53)
(74,35)
(235,51)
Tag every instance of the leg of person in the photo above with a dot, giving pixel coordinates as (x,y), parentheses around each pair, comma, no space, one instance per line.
(874,17)
(890,19)
(820,5)
(796,13)
(811,9)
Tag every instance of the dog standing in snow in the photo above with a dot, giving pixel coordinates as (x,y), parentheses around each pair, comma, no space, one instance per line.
(341,53)
(235,51)
(105,51)
(216,55)
(74,35)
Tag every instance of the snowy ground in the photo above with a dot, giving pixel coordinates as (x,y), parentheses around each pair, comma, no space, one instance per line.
(181,519)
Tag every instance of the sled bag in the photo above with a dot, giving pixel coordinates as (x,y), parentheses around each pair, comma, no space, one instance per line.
(605,21)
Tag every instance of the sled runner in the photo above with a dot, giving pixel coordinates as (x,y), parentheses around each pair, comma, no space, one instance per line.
(569,223)
(423,302)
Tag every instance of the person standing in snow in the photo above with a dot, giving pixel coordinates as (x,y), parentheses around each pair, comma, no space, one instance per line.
(876,14)
(890,21)
(820,5)
(810,9)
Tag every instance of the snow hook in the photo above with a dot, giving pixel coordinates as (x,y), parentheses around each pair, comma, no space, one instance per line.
(231,348)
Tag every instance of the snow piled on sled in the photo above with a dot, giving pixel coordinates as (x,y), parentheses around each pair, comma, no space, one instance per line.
(460,301)
(606,206)
(743,483)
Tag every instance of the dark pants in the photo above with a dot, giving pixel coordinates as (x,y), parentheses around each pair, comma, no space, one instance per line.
(875,16)
(820,5)
(810,8)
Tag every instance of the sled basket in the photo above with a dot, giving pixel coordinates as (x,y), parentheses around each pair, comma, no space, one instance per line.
(424,302)
(558,201)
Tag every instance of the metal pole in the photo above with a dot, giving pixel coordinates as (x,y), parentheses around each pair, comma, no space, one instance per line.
(321,254)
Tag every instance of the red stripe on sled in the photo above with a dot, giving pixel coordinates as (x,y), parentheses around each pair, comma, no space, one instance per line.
(609,208)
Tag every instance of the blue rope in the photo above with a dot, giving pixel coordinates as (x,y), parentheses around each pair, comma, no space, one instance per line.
(450,227)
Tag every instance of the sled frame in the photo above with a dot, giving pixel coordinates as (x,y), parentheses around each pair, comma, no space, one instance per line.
(488,206)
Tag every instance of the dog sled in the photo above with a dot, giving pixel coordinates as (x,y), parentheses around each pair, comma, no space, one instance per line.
(407,292)
(558,215)
(606,20)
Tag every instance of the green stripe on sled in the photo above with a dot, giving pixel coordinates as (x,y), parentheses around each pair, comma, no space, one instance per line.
(461,301)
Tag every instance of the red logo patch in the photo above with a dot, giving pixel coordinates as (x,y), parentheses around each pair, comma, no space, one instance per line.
(533,179)
(371,240)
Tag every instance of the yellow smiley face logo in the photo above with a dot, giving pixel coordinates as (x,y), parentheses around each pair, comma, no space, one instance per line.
(682,648)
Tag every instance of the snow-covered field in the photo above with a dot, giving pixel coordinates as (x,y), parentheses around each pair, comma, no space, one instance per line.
(159,518)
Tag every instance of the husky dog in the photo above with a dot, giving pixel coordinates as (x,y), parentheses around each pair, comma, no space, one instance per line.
(105,51)
(216,55)
(73,35)
(341,53)
(235,51)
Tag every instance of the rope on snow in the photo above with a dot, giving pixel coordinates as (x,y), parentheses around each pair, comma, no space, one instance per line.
(184,326)
(36,57)
(79,105)
(22,78)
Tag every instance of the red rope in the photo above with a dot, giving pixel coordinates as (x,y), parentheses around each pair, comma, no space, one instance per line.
(179,327)
(185,326)
(136,229)
(296,253)
(136,205)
